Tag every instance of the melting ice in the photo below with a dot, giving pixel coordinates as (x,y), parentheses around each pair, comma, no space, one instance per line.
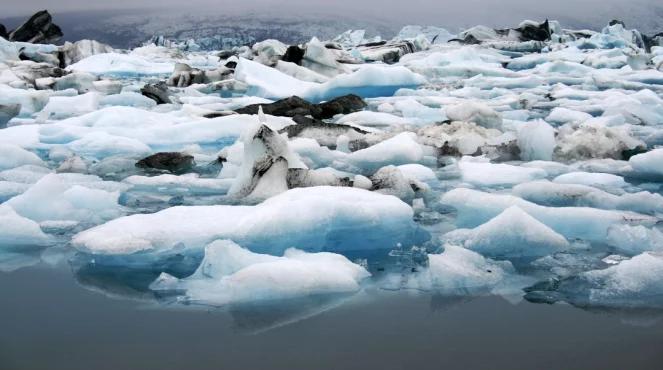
(522,162)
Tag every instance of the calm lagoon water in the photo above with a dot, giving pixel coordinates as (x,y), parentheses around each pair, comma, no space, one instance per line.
(51,320)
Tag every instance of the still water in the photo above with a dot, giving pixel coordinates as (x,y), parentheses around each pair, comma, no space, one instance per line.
(49,320)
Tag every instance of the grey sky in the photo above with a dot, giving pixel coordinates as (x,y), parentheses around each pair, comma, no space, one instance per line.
(435,12)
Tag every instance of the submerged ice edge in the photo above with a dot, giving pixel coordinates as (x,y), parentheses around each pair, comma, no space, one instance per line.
(517,162)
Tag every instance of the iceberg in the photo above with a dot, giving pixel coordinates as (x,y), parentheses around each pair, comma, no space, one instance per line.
(460,271)
(368,81)
(475,208)
(511,234)
(230,274)
(313,219)
(19,232)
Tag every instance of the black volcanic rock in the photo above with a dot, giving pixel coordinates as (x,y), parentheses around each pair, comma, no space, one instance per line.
(342,105)
(39,29)
(173,162)
(288,107)
(296,106)
(3,32)
(294,54)
(157,92)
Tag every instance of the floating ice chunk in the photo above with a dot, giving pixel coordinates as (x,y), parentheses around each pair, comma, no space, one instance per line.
(30,101)
(472,111)
(552,168)
(417,172)
(317,218)
(574,195)
(11,189)
(416,112)
(389,180)
(128,99)
(483,173)
(400,149)
(101,145)
(268,52)
(12,156)
(536,140)
(633,283)
(635,239)
(475,208)
(459,138)
(373,119)
(17,231)
(594,140)
(59,107)
(512,233)
(648,164)
(265,163)
(230,274)
(434,35)
(299,72)
(124,65)
(8,50)
(53,198)
(350,38)
(460,271)
(320,59)
(27,174)
(602,180)
(561,115)
(368,81)
(172,184)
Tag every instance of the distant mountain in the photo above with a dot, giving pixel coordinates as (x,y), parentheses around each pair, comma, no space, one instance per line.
(129,28)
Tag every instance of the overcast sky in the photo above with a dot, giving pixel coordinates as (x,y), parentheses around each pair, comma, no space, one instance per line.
(423,11)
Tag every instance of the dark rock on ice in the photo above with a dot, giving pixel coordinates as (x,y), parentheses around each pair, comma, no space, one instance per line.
(39,29)
(173,162)
(225,54)
(3,32)
(617,21)
(342,105)
(219,114)
(389,53)
(325,133)
(533,32)
(296,106)
(7,112)
(157,92)
(231,64)
(294,54)
(288,107)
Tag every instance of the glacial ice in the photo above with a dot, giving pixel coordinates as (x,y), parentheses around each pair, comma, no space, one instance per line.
(61,199)
(534,144)
(313,219)
(513,233)
(230,274)
(632,283)
(12,156)
(368,81)
(475,208)
(460,271)
(536,140)
(17,231)
(481,172)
